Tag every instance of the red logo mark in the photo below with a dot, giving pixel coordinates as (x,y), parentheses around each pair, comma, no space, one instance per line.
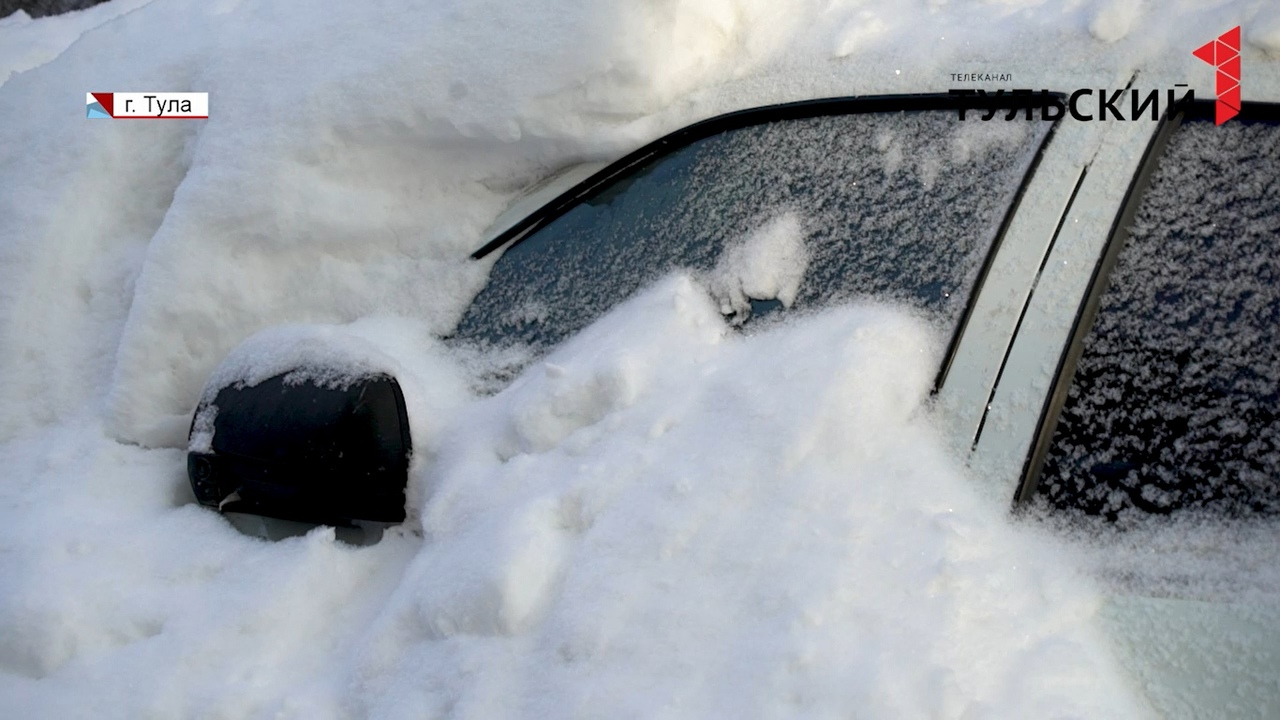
(1224,54)
(105,99)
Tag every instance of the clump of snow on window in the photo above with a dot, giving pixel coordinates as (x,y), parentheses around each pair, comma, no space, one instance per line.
(768,264)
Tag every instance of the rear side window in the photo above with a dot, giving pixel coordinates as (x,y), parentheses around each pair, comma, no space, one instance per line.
(1175,402)
(895,205)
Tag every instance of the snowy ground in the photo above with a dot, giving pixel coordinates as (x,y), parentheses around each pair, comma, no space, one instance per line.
(668,519)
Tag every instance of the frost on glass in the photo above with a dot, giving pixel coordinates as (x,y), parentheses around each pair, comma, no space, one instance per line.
(1174,402)
(897,206)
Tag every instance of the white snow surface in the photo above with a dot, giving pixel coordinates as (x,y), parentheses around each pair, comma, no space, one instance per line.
(768,264)
(25,44)
(663,518)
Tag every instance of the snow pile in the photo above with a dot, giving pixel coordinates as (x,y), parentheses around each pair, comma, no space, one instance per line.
(768,264)
(728,527)
(662,515)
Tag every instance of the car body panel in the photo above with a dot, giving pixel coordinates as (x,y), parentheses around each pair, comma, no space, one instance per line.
(1197,659)
(540,194)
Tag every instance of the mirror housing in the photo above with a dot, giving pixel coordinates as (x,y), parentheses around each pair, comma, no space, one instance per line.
(294,448)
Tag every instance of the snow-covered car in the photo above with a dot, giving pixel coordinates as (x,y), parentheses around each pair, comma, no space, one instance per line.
(1111,291)
(792,207)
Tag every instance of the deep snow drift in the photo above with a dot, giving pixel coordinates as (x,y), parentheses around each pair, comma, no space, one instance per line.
(665,518)
(662,517)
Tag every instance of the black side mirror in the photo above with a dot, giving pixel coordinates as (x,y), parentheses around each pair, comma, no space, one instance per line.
(297,449)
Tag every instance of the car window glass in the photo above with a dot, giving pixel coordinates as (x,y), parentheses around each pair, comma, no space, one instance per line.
(1175,400)
(901,206)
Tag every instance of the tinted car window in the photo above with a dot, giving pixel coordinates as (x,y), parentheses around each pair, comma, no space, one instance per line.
(901,206)
(1175,400)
